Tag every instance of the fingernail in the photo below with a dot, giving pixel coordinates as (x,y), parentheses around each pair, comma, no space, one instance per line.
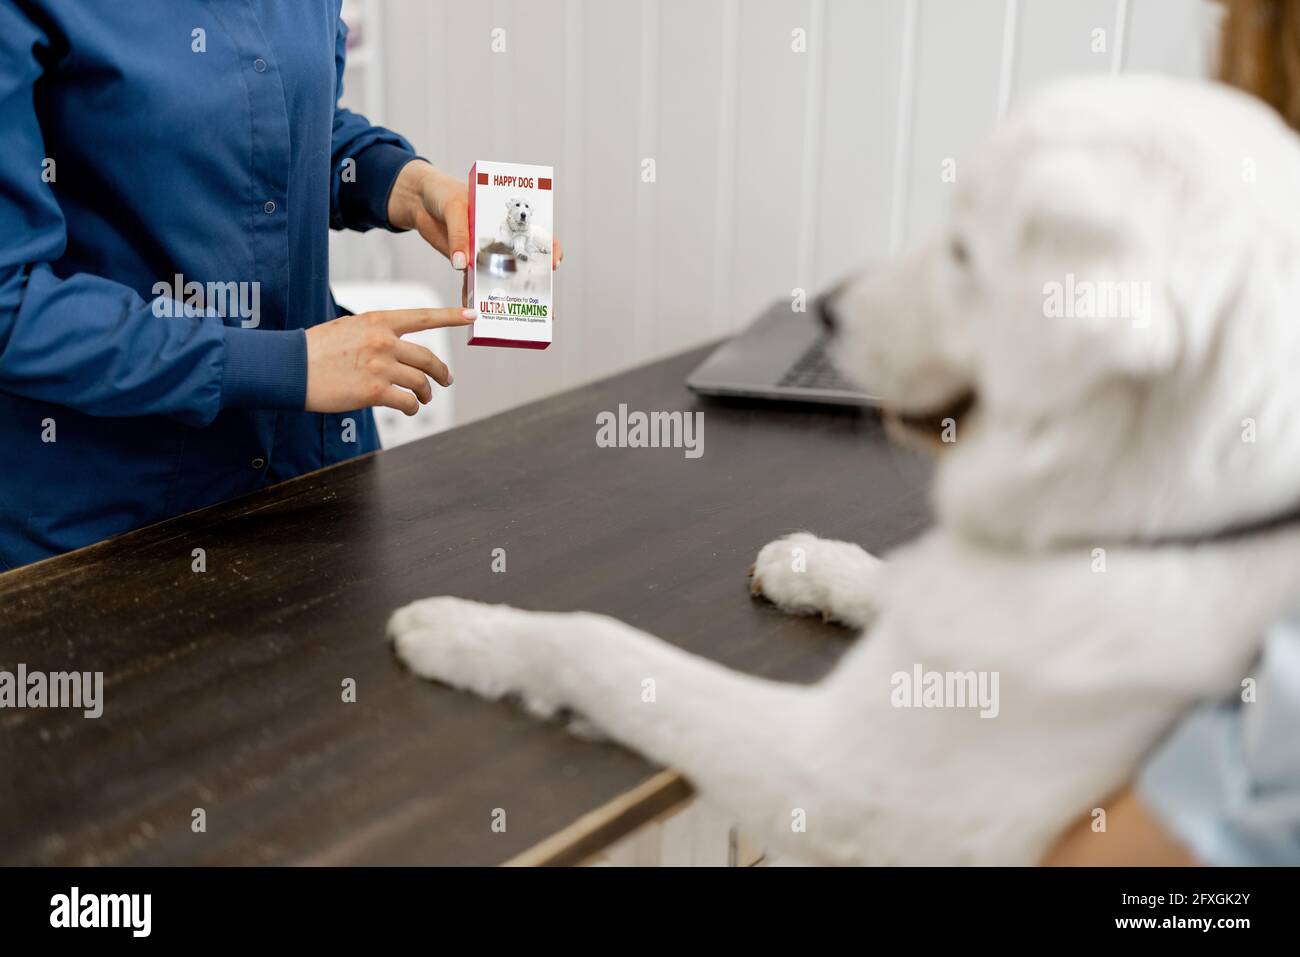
(450,378)
(458,260)
(470,313)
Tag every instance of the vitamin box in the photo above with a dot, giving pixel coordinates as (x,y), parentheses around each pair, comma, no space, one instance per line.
(511,217)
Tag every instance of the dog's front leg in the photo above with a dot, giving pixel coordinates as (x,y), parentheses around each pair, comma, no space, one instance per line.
(765,751)
(804,574)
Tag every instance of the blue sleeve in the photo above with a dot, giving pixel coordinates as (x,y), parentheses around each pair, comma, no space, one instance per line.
(1226,782)
(89,343)
(359,193)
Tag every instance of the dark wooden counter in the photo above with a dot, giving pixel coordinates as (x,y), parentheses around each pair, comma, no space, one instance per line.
(223,689)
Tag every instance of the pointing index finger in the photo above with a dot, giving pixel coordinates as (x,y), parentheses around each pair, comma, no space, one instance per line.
(402,321)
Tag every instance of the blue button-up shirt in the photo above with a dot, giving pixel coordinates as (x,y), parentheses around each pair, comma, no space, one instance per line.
(170,172)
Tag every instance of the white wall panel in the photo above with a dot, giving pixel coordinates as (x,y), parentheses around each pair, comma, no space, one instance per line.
(958,65)
(610,188)
(1059,39)
(1171,36)
(856,150)
(695,154)
(769,153)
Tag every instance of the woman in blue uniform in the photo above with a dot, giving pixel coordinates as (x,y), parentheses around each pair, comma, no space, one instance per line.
(168,174)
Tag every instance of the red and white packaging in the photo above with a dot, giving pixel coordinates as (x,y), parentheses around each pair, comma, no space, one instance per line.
(511,217)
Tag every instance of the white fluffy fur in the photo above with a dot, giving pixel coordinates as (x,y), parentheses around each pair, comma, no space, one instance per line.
(516,230)
(1085,435)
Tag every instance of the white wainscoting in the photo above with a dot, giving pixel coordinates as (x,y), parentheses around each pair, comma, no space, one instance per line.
(774,169)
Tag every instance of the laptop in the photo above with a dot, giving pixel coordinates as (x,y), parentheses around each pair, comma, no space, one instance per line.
(781,356)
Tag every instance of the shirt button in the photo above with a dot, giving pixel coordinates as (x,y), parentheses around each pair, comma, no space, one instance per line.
(258,462)
(269,207)
(259,65)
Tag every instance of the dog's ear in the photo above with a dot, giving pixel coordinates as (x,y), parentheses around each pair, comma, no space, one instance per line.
(1086,232)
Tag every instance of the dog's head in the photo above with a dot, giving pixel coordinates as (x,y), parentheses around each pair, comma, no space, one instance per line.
(1103,320)
(518,213)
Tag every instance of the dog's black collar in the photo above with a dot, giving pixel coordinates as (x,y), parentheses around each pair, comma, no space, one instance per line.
(1228,533)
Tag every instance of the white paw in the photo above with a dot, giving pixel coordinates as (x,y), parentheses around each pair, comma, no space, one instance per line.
(807,575)
(468,645)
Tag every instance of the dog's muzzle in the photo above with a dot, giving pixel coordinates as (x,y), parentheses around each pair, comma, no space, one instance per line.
(929,430)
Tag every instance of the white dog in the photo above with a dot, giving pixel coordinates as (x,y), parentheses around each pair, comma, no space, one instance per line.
(516,229)
(1112,530)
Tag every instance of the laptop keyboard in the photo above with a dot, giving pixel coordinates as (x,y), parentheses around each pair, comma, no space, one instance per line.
(813,370)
